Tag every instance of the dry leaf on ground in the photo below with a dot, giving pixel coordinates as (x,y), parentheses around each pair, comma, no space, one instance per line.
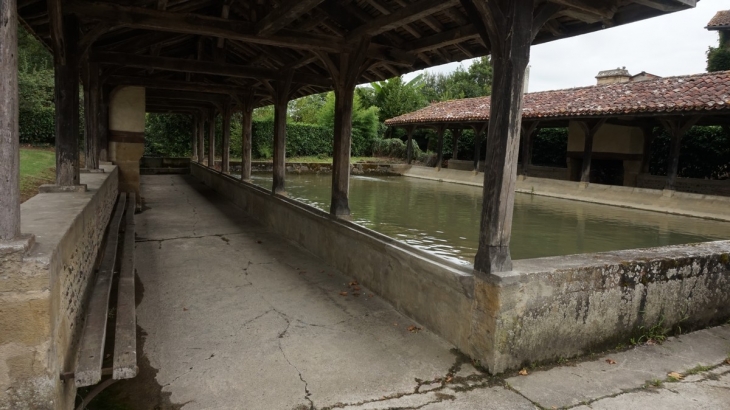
(675,375)
(353,283)
(414,329)
(522,372)
(610,361)
(343,293)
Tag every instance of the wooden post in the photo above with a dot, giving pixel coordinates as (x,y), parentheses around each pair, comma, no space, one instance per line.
(478,131)
(648,132)
(440,147)
(201,137)
(509,29)
(528,129)
(9,134)
(409,143)
(344,69)
(590,128)
(281,101)
(91,114)
(677,128)
(246,135)
(211,139)
(103,124)
(194,139)
(455,135)
(226,146)
(67,104)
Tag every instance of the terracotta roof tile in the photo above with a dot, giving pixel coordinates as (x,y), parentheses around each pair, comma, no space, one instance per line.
(692,93)
(721,19)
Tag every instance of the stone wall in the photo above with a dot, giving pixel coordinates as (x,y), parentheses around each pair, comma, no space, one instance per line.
(42,292)
(559,307)
(691,185)
(317,168)
(548,172)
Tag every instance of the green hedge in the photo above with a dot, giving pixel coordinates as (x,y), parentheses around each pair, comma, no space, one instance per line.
(549,147)
(301,140)
(704,153)
(38,127)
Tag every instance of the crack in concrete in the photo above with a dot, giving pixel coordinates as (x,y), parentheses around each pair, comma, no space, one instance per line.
(220,235)
(307,393)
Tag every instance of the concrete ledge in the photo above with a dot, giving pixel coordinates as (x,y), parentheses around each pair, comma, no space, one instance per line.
(432,290)
(54,189)
(42,291)
(558,307)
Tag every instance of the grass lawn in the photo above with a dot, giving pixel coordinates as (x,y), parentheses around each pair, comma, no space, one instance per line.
(37,167)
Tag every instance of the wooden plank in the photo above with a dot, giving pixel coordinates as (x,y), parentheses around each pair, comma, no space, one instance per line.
(125,333)
(9,134)
(91,352)
(405,15)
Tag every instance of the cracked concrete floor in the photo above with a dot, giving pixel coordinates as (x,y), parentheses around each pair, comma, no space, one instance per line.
(235,317)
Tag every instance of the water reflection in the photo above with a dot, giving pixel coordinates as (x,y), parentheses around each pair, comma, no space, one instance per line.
(444,218)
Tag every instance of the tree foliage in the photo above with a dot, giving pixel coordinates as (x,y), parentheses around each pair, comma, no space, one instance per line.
(718,58)
(35,83)
(364,123)
(476,81)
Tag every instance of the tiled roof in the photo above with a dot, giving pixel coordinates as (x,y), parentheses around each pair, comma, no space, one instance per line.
(721,19)
(692,93)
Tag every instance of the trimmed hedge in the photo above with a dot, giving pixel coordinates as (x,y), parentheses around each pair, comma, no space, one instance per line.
(301,140)
(704,153)
(38,127)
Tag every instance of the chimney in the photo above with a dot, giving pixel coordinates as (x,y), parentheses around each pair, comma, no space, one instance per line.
(619,75)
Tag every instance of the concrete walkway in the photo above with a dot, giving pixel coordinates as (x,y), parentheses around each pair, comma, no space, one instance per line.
(234,317)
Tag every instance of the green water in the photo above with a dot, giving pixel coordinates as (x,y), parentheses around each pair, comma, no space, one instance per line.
(443,218)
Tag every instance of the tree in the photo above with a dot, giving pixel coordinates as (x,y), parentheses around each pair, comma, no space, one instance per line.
(394,97)
(718,58)
(306,109)
(476,81)
(35,84)
(364,123)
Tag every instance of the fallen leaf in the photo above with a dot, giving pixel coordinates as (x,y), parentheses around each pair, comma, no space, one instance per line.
(610,361)
(522,372)
(353,283)
(343,293)
(675,375)
(414,329)
(449,378)
(185,309)
(371,295)
(356,288)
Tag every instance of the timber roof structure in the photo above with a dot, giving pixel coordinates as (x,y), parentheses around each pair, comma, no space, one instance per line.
(231,47)
(720,21)
(707,93)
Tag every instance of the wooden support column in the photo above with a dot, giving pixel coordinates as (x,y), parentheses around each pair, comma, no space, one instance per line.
(9,134)
(246,135)
(440,147)
(194,139)
(677,128)
(590,128)
(92,110)
(226,145)
(508,25)
(478,131)
(409,143)
(103,124)
(281,101)
(528,130)
(648,132)
(201,137)
(211,139)
(345,69)
(67,101)
(455,135)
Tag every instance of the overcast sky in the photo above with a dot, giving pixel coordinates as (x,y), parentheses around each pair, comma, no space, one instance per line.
(674,44)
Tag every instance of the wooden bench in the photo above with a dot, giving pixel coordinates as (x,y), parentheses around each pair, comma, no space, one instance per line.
(90,359)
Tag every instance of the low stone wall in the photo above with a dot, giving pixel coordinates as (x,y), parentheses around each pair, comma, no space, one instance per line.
(691,185)
(548,172)
(432,290)
(42,292)
(319,168)
(158,166)
(545,309)
(559,307)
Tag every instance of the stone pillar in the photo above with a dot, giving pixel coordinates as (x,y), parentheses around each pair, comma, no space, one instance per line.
(246,130)
(126,135)
(9,135)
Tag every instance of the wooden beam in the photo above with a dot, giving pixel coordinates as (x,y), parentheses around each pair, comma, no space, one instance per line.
(226,143)
(409,143)
(211,139)
(284,14)
(455,135)
(440,147)
(201,136)
(478,131)
(509,27)
(648,134)
(247,105)
(281,97)
(677,128)
(194,139)
(67,107)
(91,114)
(200,67)
(156,83)
(664,6)
(605,9)
(528,130)
(55,16)
(9,134)
(590,128)
(413,12)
